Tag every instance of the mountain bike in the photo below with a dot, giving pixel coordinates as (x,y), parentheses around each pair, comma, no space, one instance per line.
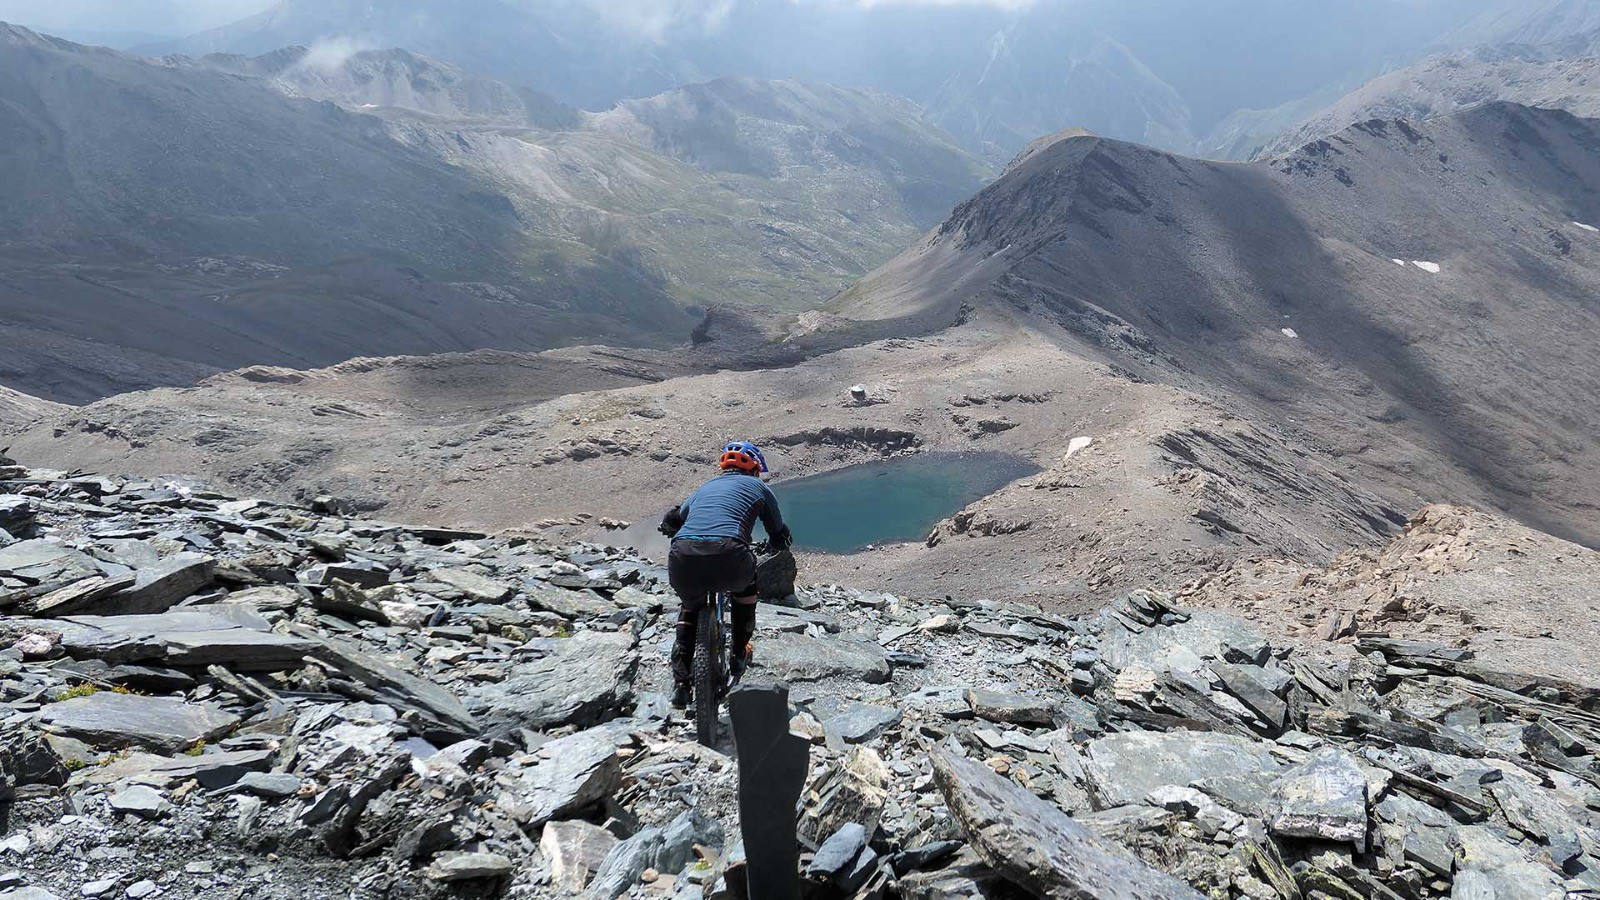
(711,668)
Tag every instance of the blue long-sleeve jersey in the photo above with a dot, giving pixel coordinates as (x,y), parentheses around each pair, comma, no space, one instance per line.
(727,506)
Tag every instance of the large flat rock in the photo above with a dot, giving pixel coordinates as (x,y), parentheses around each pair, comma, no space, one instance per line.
(1037,846)
(583,680)
(1125,768)
(799,657)
(107,719)
(570,773)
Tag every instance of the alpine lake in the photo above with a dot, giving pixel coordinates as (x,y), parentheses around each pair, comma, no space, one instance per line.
(891,501)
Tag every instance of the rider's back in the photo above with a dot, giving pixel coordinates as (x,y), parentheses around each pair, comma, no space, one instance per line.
(727,506)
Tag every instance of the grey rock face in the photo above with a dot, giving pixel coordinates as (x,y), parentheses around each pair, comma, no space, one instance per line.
(570,773)
(624,864)
(571,604)
(444,714)
(575,850)
(160,587)
(478,587)
(1039,847)
(1324,798)
(1125,768)
(140,800)
(798,657)
(857,723)
(116,720)
(585,680)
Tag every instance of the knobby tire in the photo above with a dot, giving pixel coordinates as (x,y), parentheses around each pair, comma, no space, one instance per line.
(707,672)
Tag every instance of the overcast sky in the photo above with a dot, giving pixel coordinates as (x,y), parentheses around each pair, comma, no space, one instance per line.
(155,16)
(183,17)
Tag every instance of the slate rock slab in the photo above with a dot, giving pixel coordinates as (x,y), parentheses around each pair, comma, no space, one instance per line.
(1124,768)
(478,587)
(1324,798)
(159,588)
(571,604)
(574,851)
(584,680)
(119,720)
(571,773)
(1037,846)
(1014,709)
(445,719)
(857,723)
(799,657)
(449,867)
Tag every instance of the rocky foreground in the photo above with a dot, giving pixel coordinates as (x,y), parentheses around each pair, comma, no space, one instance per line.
(215,698)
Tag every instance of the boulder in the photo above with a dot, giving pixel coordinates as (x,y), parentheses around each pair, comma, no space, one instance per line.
(16,515)
(140,800)
(1124,768)
(106,719)
(853,790)
(838,852)
(571,604)
(1324,798)
(44,566)
(160,587)
(624,864)
(584,680)
(574,851)
(856,723)
(358,572)
(1015,709)
(570,773)
(478,587)
(1037,846)
(799,657)
(449,867)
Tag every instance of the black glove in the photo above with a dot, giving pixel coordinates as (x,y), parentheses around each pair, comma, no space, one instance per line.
(781,541)
(671,522)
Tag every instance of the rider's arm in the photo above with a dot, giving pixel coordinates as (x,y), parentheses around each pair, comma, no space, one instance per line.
(673,520)
(772,519)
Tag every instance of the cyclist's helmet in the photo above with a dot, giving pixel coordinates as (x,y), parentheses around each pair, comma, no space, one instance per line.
(743,456)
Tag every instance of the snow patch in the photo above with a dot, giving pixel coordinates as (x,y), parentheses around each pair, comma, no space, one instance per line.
(1586,227)
(1077,445)
(1398,262)
(1430,267)
(1290,333)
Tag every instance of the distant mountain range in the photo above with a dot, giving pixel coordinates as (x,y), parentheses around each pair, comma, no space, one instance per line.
(163,220)
(994,77)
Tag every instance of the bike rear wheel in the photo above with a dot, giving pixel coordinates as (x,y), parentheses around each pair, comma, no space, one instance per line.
(708,675)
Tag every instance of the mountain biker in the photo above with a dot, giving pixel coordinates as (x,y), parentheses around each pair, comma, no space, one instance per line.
(711,553)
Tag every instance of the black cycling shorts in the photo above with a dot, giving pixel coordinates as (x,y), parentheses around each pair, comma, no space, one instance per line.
(698,568)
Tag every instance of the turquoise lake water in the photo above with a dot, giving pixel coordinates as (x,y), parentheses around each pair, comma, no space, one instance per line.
(891,501)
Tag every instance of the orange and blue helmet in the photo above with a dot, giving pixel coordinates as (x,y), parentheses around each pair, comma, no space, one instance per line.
(743,456)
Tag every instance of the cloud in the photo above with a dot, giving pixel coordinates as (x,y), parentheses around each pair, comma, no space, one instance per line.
(655,19)
(329,54)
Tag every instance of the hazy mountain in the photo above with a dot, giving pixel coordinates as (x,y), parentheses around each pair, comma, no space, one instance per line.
(1446,84)
(396,79)
(995,77)
(1419,297)
(1560,27)
(167,220)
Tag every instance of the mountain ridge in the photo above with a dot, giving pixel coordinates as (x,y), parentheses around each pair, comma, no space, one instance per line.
(240,201)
